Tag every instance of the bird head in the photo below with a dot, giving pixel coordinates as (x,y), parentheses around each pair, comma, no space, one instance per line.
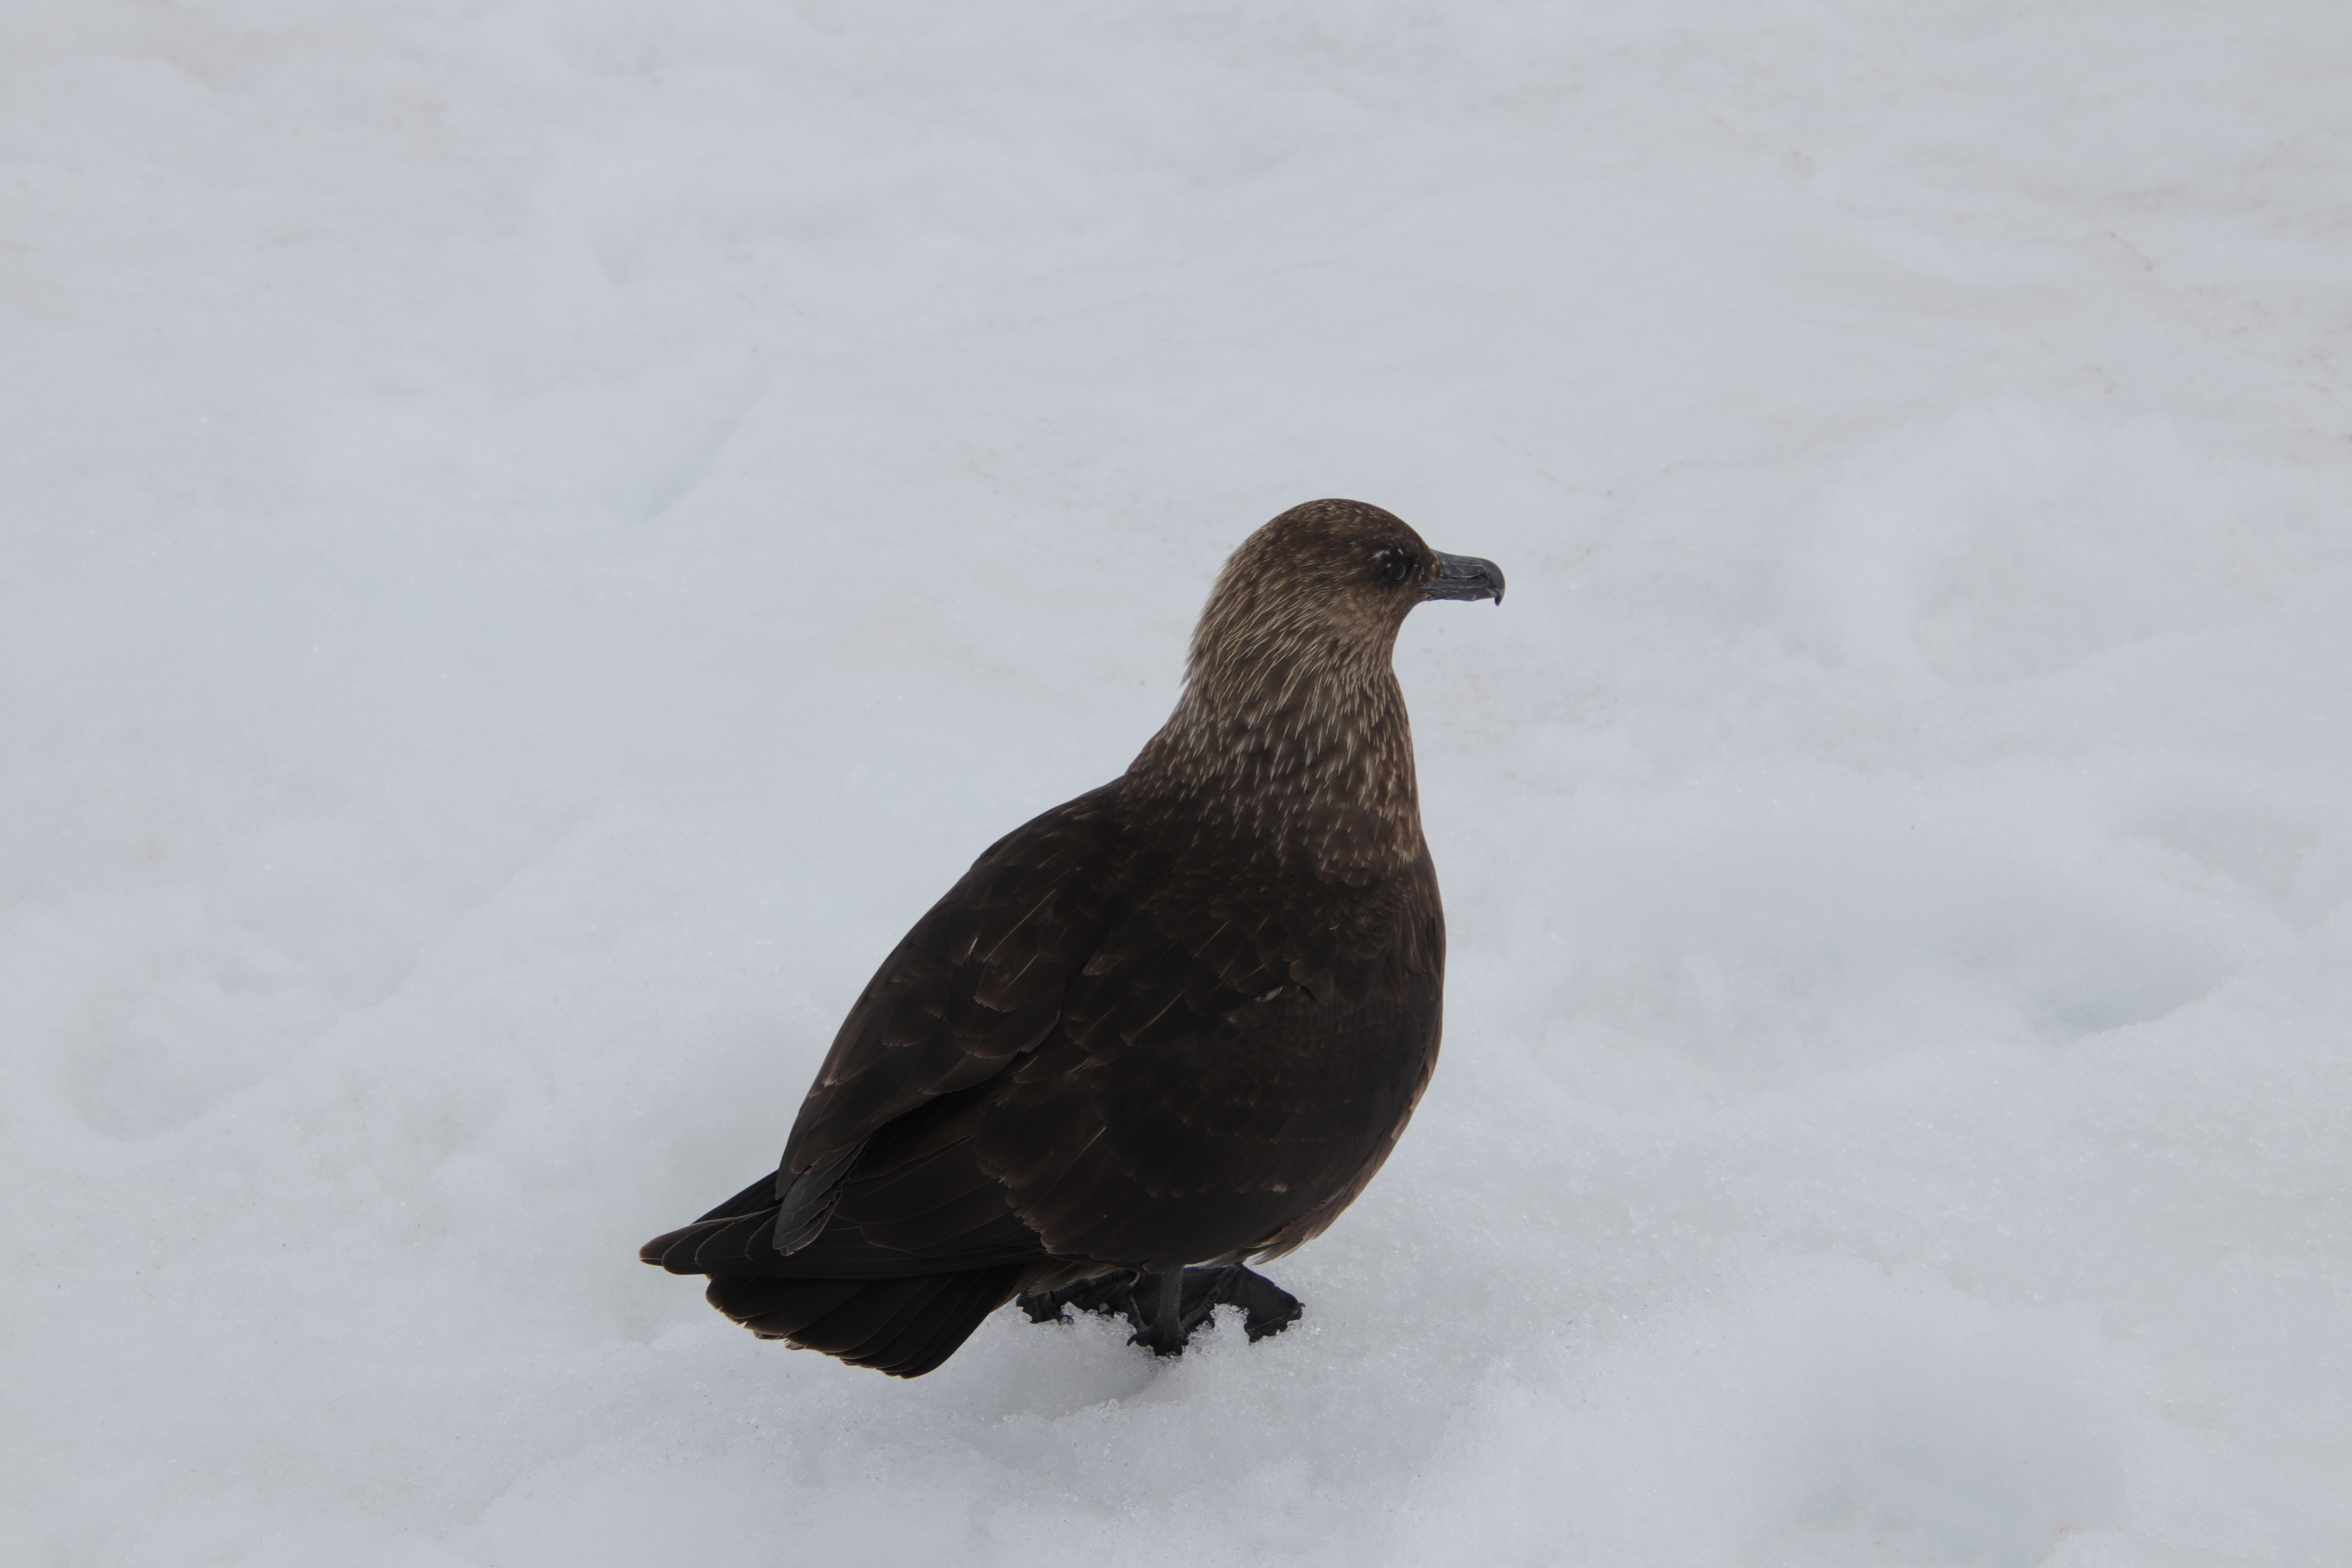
(1327,584)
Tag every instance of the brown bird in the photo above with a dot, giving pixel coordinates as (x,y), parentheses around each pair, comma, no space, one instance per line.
(1176,1023)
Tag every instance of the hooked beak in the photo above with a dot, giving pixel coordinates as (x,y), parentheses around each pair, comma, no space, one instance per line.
(1464,577)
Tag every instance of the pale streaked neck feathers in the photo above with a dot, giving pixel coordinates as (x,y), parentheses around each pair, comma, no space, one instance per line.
(1291,740)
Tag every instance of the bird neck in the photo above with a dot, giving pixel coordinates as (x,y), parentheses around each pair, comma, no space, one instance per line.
(1306,763)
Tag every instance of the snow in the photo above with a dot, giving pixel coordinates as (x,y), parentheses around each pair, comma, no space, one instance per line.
(540,535)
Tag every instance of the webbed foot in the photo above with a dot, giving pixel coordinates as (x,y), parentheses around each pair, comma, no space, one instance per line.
(1166,1308)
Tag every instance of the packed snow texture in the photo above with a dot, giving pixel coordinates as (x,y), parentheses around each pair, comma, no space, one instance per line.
(541,535)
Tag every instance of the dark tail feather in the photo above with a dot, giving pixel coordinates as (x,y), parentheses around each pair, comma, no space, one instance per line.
(674,1250)
(903,1327)
(882,1315)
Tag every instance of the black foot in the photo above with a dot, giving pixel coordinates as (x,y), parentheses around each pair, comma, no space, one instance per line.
(1144,1300)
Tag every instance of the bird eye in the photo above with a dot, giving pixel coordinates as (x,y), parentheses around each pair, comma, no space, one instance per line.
(1396,565)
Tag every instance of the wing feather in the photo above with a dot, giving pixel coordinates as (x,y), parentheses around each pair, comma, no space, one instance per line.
(1080,1056)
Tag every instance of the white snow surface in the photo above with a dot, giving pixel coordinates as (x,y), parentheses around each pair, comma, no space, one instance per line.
(541,535)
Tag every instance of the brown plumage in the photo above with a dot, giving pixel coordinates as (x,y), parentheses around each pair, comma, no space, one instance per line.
(1178,1021)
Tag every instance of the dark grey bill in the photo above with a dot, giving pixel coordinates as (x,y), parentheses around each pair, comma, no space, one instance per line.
(1464,577)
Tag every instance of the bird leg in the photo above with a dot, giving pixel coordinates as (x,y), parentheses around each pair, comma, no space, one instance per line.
(1160,1313)
(1166,1308)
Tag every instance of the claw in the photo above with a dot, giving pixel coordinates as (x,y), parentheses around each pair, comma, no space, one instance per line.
(1189,1298)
